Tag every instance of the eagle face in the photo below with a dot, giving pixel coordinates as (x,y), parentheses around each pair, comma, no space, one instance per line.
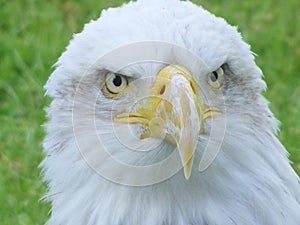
(157,117)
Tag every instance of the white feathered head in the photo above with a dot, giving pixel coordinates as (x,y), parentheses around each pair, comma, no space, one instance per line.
(144,98)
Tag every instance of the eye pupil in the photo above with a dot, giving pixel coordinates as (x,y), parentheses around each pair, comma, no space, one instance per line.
(117,81)
(214,76)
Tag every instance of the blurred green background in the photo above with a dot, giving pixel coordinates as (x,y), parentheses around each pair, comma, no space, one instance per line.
(33,33)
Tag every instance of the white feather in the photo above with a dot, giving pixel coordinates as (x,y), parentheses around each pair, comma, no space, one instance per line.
(250,181)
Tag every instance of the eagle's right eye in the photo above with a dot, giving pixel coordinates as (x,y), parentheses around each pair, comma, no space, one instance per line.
(115,83)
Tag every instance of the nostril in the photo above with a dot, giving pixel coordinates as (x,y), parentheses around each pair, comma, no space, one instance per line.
(162,90)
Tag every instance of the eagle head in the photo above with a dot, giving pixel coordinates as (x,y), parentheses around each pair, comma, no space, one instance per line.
(157,117)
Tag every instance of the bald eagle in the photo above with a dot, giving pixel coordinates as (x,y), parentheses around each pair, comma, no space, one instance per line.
(157,118)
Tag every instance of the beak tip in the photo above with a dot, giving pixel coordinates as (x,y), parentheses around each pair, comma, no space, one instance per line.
(187,175)
(187,169)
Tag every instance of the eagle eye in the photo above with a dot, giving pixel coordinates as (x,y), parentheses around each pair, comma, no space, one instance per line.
(115,83)
(216,78)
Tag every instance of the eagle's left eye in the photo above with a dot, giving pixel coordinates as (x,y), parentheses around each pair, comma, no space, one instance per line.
(216,78)
(115,83)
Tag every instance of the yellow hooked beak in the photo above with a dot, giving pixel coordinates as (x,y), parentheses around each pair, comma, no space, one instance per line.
(174,111)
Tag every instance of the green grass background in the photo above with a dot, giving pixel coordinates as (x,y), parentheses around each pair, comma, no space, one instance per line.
(33,33)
